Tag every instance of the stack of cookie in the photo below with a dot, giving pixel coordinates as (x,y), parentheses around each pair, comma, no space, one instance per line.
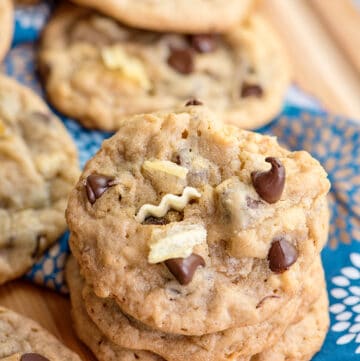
(143,56)
(197,240)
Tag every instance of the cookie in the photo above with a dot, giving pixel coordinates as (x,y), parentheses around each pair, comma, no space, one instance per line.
(96,70)
(87,331)
(124,331)
(22,339)
(303,339)
(191,225)
(201,16)
(6,26)
(38,170)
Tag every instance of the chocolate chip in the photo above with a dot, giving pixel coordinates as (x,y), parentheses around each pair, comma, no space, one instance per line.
(251,90)
(157,221)
(183,269)
(282,255)
(33,357)
(193,101)
(264,299)
(253,203)
(96,185)
(204,43)
(182,60)
(269,185)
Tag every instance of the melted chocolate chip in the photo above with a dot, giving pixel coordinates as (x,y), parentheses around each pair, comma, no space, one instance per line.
(269,185)
(33,357)
(264,299)
(182,60)
(253,203)
(183,269)
(204,43)
(282,255)
(193,101)
(251,90)
(96,185)
(157,221)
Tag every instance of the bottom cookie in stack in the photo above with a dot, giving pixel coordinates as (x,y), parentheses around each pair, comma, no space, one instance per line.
(299,342)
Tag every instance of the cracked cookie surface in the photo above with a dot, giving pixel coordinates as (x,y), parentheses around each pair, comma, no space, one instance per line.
(112,246)
(96,70)
(38,170)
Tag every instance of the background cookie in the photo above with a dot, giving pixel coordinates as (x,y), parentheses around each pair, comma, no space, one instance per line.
(20,336)
(201,16)
(97,70)
(38,169)
(6,26)
(188,162)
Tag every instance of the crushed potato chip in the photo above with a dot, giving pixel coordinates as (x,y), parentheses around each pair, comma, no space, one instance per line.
(175,241)
(169,201)
(115,58)
(165,166)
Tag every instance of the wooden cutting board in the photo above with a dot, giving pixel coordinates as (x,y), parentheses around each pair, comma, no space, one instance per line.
(322,38)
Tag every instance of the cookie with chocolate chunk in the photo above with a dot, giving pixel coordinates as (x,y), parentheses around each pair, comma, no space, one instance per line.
(38,169)
(232,245)
(125,331)
(6,26)
(304,339)
(180,16)
(97,70)
(22,339)
(89,333)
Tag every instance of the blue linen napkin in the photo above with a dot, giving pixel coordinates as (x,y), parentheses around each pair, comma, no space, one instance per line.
(303,124)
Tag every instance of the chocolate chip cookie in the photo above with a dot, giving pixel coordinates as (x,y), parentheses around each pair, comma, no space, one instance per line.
(190,225)
(22,339)
(124,331)
(6,26)
(96,70)
(199,16)
(38,169)
(87,331)
(303,339)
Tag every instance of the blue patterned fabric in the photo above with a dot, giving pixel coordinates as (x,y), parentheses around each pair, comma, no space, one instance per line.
(334,140)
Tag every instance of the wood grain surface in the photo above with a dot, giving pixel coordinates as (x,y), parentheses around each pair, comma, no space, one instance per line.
(322,38)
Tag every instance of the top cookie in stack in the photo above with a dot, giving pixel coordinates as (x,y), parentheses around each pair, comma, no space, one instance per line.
(96,69)
(196,234)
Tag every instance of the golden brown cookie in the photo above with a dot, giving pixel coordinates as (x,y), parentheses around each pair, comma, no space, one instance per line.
(22,339)
(38,169)
(96,70)
(126,332)
(189,224)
